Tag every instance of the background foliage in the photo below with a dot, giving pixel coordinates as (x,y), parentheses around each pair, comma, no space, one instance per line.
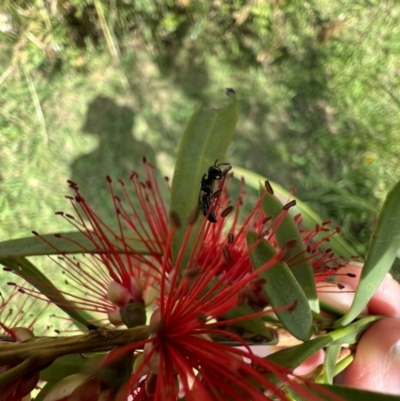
(89,87)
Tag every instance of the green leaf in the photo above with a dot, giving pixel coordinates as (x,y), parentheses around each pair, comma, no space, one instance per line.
(331,356)
(351,333)
(339,367)
(36,278)
(297,255)
(282,289)
(381,254)
(69,243)
(255,325)
(292,357)
(70,364)
(343,364)
(353,394)
(332,310)
(310,218)
(207,136)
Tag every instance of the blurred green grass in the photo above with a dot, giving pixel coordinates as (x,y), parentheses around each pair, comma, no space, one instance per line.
(88,88)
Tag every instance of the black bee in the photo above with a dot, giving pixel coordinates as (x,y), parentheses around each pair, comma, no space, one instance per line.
(207,183)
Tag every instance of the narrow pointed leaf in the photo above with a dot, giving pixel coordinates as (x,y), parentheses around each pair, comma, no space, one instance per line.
(333,310)
(297,255)
(343,364)
(339,368)
(310,218)
(37,279)
(207,136)
(69,243)
(381,254)
(331,356)
(353,394)
(352,333)
(70,364)
(282,289)
(292,357)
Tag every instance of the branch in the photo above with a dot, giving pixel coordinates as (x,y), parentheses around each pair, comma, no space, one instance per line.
(50,348)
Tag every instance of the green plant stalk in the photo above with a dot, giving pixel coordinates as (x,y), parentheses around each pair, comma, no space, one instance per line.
(49,348)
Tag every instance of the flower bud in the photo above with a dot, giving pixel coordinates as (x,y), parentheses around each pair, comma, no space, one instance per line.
(149,295)
(136,289)
(118,294)
(115,318)
(134,314)
(21,334)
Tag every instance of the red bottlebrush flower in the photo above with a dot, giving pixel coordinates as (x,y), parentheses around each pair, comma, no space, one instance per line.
(192,299)
(112,275)
(182,357)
